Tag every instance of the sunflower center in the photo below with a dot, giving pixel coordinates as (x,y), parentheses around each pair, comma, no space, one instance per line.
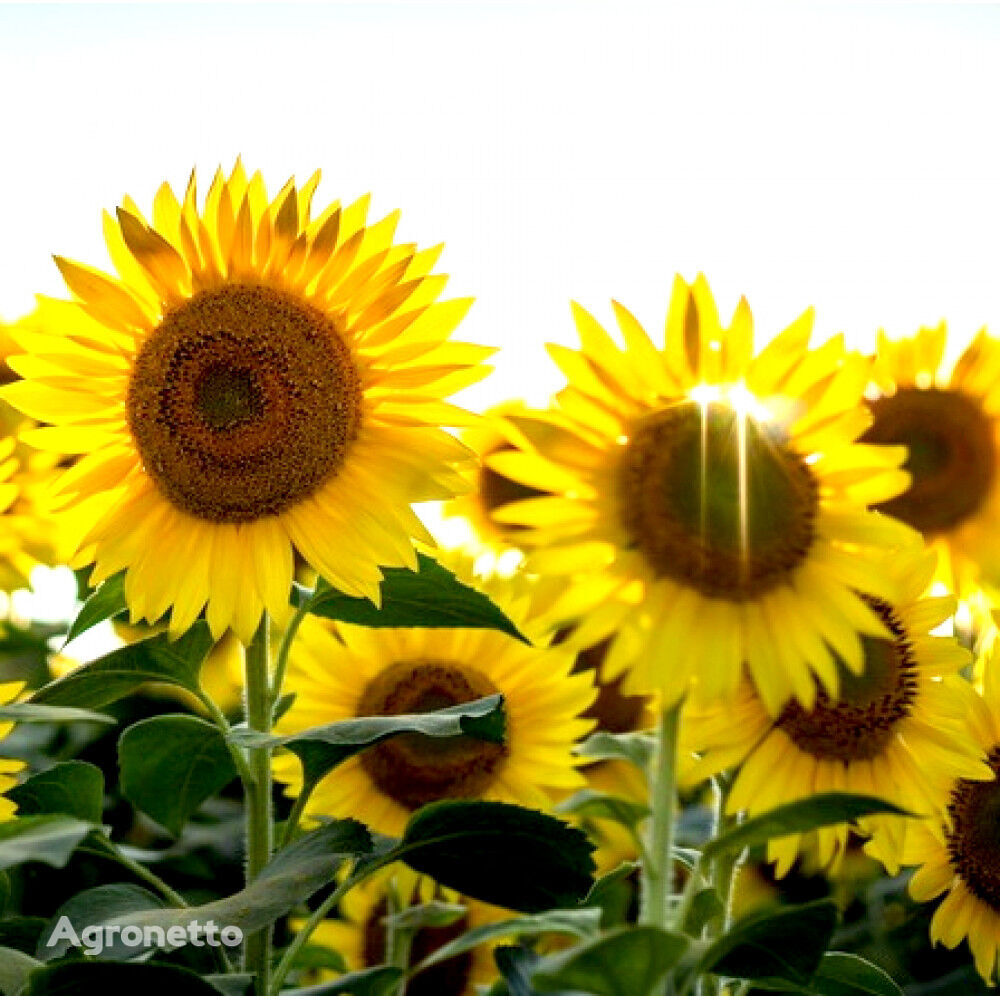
(859,724)
(952,456)
(415,769)
(974,839)
(716,500)
(243,402)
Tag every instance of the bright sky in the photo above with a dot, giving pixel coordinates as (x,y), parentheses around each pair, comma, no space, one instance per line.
(841,156)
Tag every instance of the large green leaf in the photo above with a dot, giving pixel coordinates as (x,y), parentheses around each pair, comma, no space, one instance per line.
(572,923)
(840,974)
(378,981)
(15,967)
(170,764)
(51,839)
(89,977)
(72,788)
(798,817)
(105,602)
(291,876)
(123,671)
(27,712)
(431,597)
(89,908)
(630,961)
(787,943)
(502,854)
(324,747)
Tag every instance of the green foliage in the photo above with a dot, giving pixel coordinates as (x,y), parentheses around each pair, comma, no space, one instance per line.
(636,748)
(325,747)
(588,804)
(431,597)
(125,670)
(105,602)
(432,914)
(27,712)
(379,980)
(840,974)
(51,839)
(170,764)
(92,977)
(503,854)
(15,967)
(73,788)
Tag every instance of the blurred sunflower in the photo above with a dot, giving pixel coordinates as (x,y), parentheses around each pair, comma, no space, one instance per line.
(255,384)
(491,438)
(711,503)
(359,936)
(388,671)
(894,731)
(950,424)
(957,847)
(9,769)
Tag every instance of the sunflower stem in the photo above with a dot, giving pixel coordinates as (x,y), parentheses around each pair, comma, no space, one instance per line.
(658,875)
(258,706)
(284,648)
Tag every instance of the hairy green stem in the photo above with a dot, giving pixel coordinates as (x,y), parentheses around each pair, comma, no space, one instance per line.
(222,724)
(284,648)
(259,821)
(658,881)
(140,871)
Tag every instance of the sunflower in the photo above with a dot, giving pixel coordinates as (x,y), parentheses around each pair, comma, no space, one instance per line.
(494,433)
(949,421)
(358,935)
(894,731)
(388,671)
(710,502)
(9,768)
(957,847)
(255,384)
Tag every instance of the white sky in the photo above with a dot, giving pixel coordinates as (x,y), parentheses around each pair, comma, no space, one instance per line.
(841,156)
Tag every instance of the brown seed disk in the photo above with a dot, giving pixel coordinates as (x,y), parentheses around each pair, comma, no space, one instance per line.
(415,769)
(952,455)
(859,724)
(242,402)
(724,508)
(973,844)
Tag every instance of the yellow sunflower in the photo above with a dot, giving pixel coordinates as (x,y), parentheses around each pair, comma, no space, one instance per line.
(949,421)
(359,936)
(9,769)
(957,847)
(711,502)
(490,489)
(894,731)
(392,671)
(255,383)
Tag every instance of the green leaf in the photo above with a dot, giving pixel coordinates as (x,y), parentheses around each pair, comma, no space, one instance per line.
(118,674)
(324,747)
(170,764)
(432,914)
(51,839)
(627,962)
(705,906)
(503,854)
(22,933)
(798,817)
(89,977)
(614,893)
(573,923)
(431,597)
(787,942)
(379,980)
(293,875)
(516,963)
(840,974)
(15,967)
(233,984)
(589,804)
(105,602)
(72,788)
(27,712)
(637,748)
(90,907)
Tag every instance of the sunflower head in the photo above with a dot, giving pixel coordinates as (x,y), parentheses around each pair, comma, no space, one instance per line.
(709,502)
(255,384)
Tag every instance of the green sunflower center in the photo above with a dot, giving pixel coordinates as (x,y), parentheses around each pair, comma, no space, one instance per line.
(861,721)
(451,978)
(952,455)
(716,501)
(415,769)
(242,402)
(974,839)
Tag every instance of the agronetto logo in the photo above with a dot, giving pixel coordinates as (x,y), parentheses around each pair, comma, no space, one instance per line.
(97,938)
